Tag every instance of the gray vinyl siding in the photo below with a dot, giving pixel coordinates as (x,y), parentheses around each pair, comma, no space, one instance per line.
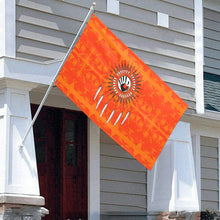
(209,174)
(212,60)
(123,180)
(212,41)
(45,29)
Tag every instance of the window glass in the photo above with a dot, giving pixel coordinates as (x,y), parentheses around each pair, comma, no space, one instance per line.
(71,131)
(71,155)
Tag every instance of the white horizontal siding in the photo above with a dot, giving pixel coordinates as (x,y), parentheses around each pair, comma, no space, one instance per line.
(209,173)
(123,180)
(45,29)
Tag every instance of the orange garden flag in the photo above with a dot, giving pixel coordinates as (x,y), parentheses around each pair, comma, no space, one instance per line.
(120,93)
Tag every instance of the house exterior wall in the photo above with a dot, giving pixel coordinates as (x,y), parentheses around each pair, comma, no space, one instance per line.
(45,30)
(123,180)
(211,59)
(209,173)
(209,142)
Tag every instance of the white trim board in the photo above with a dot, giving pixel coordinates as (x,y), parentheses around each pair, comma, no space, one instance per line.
(199,57)
(93,171)
(29,71)
(197,162)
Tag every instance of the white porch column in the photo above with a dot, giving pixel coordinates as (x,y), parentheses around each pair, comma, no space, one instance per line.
(172,181)
(18,172)
(93,171)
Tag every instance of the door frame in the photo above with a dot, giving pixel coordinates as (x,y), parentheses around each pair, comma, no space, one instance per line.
(93,144)
(93,135)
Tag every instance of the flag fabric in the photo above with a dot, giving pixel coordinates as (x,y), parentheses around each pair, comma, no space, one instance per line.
(120,93)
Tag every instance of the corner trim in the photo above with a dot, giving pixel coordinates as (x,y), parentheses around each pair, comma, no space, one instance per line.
(199,57)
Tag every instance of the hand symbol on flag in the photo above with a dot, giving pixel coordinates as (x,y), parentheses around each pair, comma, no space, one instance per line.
(118,93)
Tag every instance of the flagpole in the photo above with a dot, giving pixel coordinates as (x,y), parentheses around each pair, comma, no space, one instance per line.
(91,10)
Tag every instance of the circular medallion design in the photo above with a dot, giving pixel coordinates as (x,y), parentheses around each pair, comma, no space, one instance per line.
(124,83)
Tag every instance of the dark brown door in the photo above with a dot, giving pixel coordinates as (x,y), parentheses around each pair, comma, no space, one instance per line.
(61,150)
